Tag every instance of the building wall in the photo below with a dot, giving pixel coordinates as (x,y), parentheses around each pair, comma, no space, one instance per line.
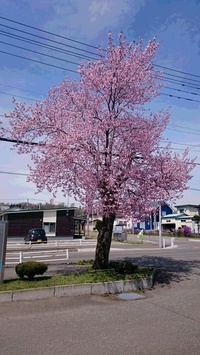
(49,223)
(20,223)
(49,216)
(191,211)
(178,223)
(187,222)
(65,224)
(188,209)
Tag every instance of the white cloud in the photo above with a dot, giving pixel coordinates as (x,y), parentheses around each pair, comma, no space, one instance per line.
(87,18)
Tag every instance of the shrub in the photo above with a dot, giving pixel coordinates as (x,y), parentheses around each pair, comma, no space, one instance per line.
(30,269)
(98,225)
(179,232)
(123,267)
(187,231)
(128,230)
(184,232)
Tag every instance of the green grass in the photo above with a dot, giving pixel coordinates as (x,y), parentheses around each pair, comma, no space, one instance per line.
(69,279)
(129,242)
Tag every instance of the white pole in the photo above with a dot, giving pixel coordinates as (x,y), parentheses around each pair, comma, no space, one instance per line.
(164,243)
(67,254)
(160,227)
(155,227)
(20,257)
(88,231)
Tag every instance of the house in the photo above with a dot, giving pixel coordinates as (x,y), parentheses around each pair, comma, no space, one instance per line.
(149,223)
(183,217)
(177,220)
(152,222)
(188,209)
(61,222)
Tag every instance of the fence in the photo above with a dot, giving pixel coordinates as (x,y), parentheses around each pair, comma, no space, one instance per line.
(15,257)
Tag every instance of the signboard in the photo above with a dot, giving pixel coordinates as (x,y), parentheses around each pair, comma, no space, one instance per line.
(118,229)
(3,241)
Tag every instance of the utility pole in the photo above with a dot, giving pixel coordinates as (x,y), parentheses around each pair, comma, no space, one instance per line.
(155,227)
(88,230)
(160,226)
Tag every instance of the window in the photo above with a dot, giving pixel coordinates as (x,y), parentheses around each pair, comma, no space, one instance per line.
(181,210)
(49,227)
(122,223)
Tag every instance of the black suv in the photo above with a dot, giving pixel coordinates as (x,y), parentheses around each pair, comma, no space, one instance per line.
(36,235)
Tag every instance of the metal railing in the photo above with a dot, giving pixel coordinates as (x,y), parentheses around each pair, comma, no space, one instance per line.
(15,257)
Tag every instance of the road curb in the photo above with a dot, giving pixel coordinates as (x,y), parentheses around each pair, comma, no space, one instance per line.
(112,287)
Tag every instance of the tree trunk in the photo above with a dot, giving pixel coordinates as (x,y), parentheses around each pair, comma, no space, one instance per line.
(103,243)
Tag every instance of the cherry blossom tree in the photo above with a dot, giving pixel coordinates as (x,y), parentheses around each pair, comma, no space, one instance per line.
(97,140)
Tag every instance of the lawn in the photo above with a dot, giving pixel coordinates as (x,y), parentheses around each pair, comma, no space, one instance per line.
(73,278)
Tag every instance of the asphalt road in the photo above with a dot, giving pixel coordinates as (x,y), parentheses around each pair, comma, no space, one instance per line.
(166,322)
(183,250)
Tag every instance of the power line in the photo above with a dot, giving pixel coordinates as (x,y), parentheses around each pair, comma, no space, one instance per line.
(12,173)
(178,130)
(50,40)
(187,92)
(177,71)
(178,82)
(33,51)
(82,43)
(38,61)
(48,32)
(51,65)
(181,77)
(15,87)
(35,143)
(19,96)
(179,97)
(45,45)
(19,141)
(191,129)
(171,142)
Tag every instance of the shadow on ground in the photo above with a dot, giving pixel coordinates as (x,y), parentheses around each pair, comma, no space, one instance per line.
(168,269)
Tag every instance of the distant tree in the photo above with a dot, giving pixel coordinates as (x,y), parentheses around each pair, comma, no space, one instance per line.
(96,139)
(196,218)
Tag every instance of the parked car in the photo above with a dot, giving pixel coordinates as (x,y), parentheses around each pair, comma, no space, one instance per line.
(36,235)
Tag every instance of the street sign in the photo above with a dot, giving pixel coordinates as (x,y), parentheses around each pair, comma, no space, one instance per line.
(3,241)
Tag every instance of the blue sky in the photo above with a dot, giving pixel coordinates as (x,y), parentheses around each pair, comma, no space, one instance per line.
(175,23)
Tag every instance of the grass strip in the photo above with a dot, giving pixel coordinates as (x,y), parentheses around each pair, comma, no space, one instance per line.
(72,278)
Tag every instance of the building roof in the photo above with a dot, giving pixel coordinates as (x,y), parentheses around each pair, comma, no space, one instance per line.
(173,215)
(16,211)
(187,204)
(177,216)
